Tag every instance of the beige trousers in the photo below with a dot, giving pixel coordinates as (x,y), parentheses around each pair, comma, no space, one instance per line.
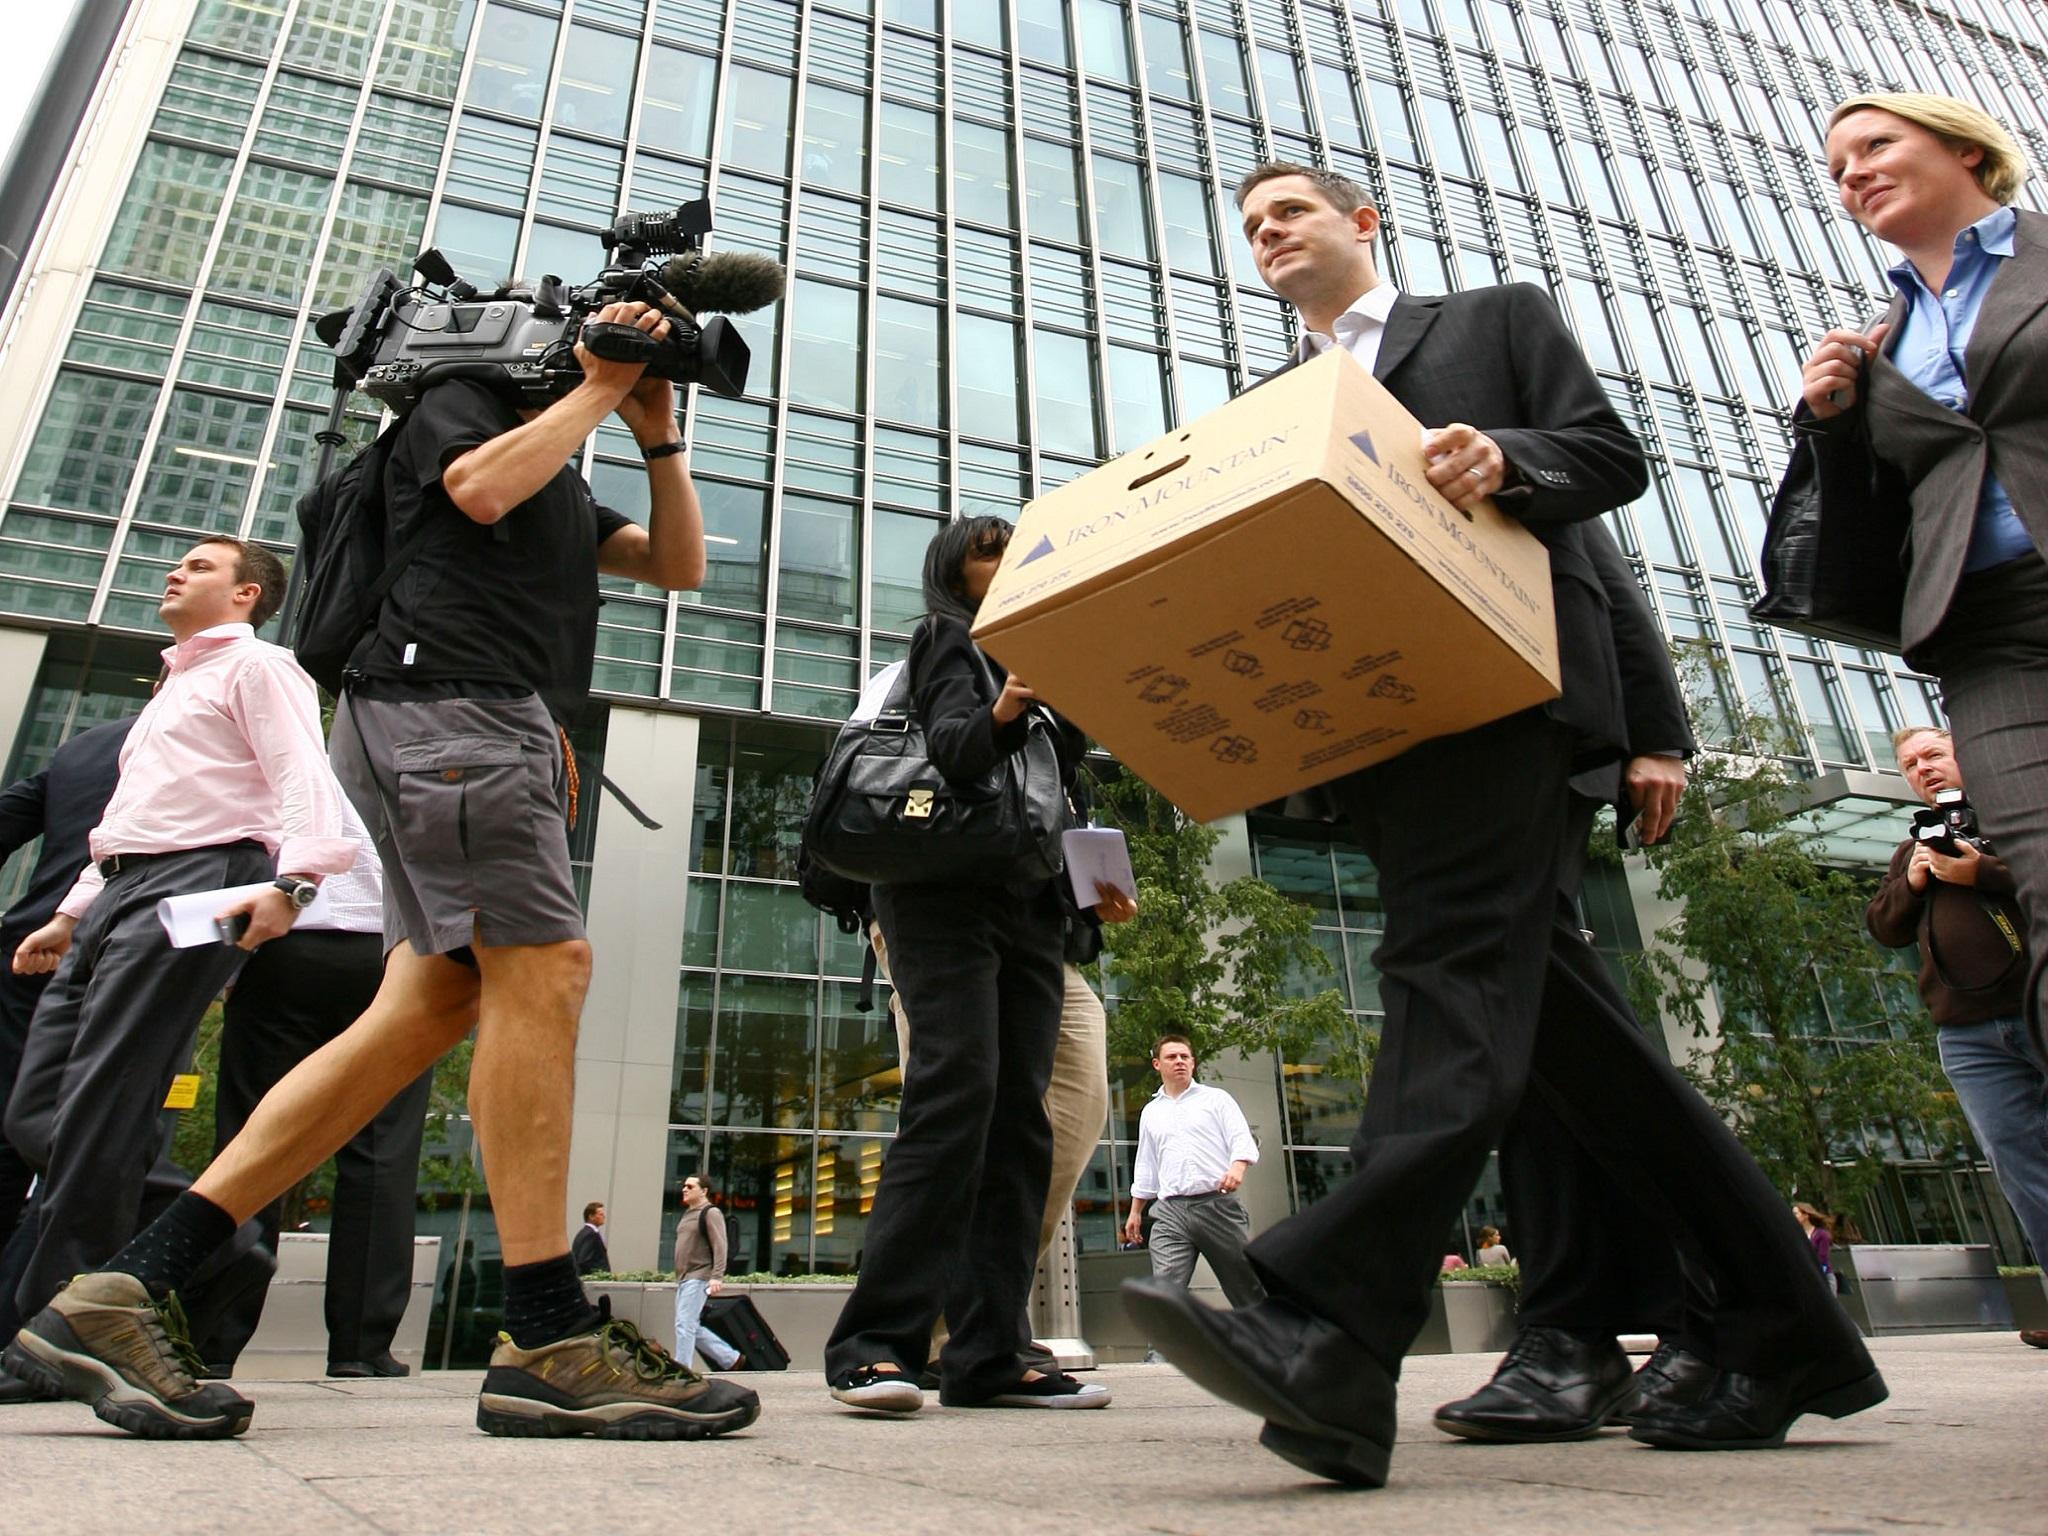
(1076,1099)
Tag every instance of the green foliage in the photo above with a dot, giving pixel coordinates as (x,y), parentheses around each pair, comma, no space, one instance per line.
(1823,1056)
(446,1166)
(192,1137)
(1221,964)
(1505,1277)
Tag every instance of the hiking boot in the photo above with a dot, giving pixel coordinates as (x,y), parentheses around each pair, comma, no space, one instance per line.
(106,1341)
(610,1382)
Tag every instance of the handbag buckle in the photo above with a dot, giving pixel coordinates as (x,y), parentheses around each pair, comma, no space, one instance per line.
(895,725)
(918,804)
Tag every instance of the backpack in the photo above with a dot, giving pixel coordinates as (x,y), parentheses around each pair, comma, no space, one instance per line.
(343,539)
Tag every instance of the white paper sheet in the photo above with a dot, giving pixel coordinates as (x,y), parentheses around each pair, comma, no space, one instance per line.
(876,693)
(188,920)
(1098,856)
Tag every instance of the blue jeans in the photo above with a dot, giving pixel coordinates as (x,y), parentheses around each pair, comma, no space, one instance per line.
(2002,1084)
(690,1335)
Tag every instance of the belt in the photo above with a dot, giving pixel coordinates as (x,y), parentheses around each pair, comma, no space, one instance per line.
(114,863)
(1203,1194)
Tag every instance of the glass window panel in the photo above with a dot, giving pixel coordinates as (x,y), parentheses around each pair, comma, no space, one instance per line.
(769,927)
(423,46)
(1137,397)
(1041,31)
(123,327)
(373,227)
(237,26)
(1105,48)
(1203,387)
(909,152)
(849,1171)
(820,564)
(987,377)
(88,443)
(509,72)
(580,180)
(1396,124)
(306,121)
(595,93)
(1337,91)
(294,457)
(1223,71)
(206,458)
(981,175)
(1123,221)
(334,35)
(270,233)
(1189,217)
(208,98)
(771,791)
(167,213)
(764,1187)
(476,243)
(1052,191)
(735,546)
(835,138)
(757,106)
(897,594)
(1280,77)
(1066,394)
(982,22)
(570,254)
(1167,69)
(676,101)
(859,1079)
(910,340)
(825,346)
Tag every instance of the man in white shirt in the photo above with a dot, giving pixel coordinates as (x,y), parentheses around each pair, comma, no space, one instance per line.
(1194,1148)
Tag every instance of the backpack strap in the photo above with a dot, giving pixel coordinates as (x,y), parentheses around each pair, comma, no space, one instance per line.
(379,589)
(864,1000)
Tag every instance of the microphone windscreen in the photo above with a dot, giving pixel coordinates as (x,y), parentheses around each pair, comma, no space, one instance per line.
(728,283)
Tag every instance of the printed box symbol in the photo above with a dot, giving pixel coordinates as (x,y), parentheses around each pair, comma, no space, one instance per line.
(1163,689)
(1235,749)
(1243,663)
(1313,720)
(1307,635)
(1388,686)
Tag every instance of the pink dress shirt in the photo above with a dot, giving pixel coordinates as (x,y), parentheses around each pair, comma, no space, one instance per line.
(229,749)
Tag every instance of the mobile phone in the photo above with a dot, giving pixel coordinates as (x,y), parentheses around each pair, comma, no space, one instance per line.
(232,928)
(1632,835)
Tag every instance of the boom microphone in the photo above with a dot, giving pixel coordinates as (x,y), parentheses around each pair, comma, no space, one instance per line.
(729,283)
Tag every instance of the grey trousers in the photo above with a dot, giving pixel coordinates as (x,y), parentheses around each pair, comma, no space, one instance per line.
(1991,654)
(118,1017)
(1214,1227)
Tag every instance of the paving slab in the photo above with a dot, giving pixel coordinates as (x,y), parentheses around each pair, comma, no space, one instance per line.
(1958,1448)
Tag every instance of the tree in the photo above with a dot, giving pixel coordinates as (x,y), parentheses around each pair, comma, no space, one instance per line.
(1823,1054)
(1220,964)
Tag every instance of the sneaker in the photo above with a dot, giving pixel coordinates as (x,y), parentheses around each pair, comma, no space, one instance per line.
(878,1391)
(610,1382)
(1055,1389)
(106,1341)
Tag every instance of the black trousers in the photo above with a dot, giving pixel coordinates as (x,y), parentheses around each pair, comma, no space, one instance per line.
(114,1027)
(297,993)
(18,998)
(1593,1260)
(955,1221)
(1491,992)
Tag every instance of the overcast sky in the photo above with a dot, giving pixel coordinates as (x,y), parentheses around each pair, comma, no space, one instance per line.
(32,34)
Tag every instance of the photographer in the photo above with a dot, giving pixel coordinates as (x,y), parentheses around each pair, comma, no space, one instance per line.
(1960,907)
(447,746)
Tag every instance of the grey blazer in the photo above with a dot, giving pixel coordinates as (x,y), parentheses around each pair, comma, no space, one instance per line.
(1937,457)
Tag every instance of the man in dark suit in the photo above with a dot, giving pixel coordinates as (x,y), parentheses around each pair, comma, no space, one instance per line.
(1490,987)
(61,805)
(1594,1262)
(588,1252)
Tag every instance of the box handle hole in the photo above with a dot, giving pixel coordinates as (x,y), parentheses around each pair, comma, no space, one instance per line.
(1164,469)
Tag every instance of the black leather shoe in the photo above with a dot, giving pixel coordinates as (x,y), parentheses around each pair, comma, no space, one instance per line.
(1670,1380)
(1751,1413)
(377,1365)
(1327,1403)
(1551,1386)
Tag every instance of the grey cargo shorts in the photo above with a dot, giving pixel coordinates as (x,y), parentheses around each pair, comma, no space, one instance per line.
(467,801)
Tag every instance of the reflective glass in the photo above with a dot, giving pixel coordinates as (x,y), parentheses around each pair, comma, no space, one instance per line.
(835,147)
(910,341)
(509,66)
(1123,214)
(764,1185)
(1137,390)
(676,102)
(88,443)
(981,175)
(820,565)
(757,105)
(825,346)
(167,213)
(595,93)
(909,152)
(896,597)
(1167,69)
(1052,191)
(987,377)
(1066,394)
(1105,48)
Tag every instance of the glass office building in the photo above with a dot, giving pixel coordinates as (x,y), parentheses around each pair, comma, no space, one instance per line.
(1012,251)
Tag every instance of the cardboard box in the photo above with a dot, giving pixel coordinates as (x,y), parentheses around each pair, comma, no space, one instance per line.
(1272,597)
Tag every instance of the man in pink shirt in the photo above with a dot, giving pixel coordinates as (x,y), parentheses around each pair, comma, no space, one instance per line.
(224,782)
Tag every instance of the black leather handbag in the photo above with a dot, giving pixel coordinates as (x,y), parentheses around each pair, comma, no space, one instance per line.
(882,813)
(1833,556)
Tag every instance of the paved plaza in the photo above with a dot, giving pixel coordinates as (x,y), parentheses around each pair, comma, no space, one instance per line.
(1959,1448)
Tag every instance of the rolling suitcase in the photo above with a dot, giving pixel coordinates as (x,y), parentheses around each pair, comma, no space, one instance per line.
(738,1321)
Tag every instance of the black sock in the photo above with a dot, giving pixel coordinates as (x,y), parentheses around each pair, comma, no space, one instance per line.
(545,1302)
(165,1254)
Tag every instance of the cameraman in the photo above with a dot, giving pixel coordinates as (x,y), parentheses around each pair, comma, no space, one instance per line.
(1961,909)
(448,748)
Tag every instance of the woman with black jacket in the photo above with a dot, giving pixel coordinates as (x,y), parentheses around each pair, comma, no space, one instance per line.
(979,967)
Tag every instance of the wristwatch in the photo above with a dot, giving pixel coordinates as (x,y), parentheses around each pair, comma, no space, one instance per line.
(301,892)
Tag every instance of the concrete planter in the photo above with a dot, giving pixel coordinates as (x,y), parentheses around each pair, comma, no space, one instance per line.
(1478,1318)
(2028,1299)
(291,1342)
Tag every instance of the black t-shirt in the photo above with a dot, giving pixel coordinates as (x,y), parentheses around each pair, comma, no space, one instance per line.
(513,603)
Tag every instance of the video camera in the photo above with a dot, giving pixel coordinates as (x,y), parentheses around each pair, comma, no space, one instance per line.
(397,340)
(1947,824)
